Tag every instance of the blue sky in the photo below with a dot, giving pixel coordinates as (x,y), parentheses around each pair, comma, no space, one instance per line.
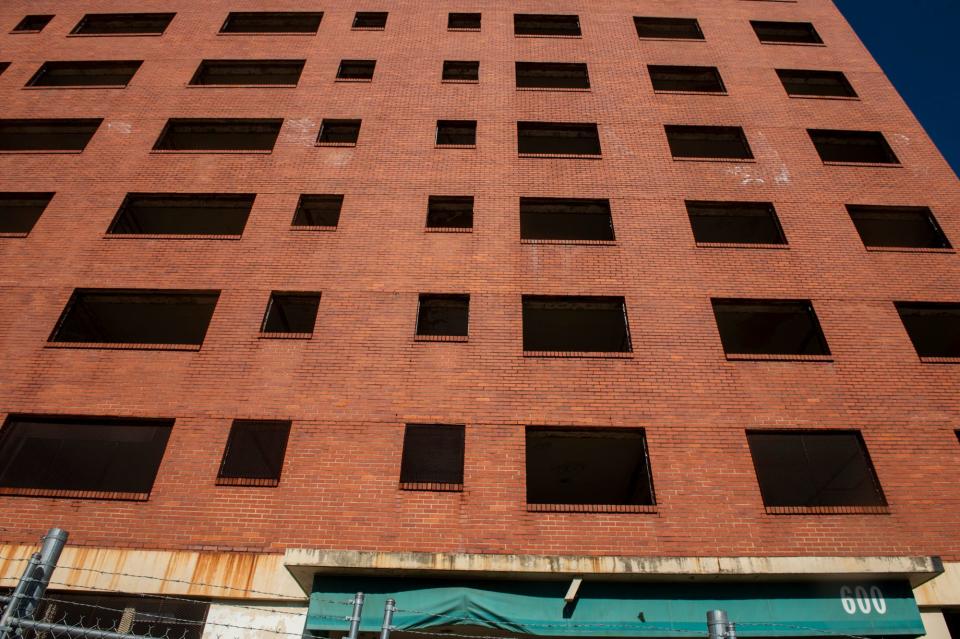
(916,43)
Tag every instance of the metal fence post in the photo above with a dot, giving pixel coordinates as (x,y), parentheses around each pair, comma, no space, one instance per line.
(355,617)
(717,623)
(388,610)
(33,582)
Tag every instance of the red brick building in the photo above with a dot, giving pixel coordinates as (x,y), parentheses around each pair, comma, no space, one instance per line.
(676,277)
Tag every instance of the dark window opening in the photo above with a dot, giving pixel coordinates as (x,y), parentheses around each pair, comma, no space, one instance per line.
(852,146)
(218,135)
(443,315)
(123,23)
(721,142)
(575,324)
(735,223)
(432,457)
(47,135)
(934,328)
(588,466)
(555,218)
(272,22)
(668,28)
(898,226)
(182,214)
(462,71)
(318,210)
(787,32)
(463,21)
(558,138)
(552,75)
(356,69)
(291,313)
(254,453)
(114,316)
(952,617)
(4,66)
(814,468)
(546,25)
(769,327)
(456,132)
(450,211)
(125,613)
(339,132)
(696,79)
(247,72)
(19,212)
(79,74)
(370,20)
(64,456)
(816,83)
(32,23)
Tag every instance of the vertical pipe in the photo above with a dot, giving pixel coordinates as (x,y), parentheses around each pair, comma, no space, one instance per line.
(50,548)
(17,597)
(355,618)
(717,624)
(388,610)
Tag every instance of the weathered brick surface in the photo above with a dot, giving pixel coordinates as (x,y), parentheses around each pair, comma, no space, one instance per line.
(350,389)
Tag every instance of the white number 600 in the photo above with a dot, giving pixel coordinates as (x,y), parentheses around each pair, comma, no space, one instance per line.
(859,598)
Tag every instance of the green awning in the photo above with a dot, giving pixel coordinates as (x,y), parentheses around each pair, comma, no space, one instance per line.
(622,609)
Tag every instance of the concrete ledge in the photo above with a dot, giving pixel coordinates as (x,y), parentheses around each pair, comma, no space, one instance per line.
(304,563)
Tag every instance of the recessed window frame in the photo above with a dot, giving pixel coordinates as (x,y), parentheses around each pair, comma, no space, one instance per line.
(680,129)
(126,218)
(526,75)
(524,128)
(815,39)
(92,125)
(328,123)
(718,206)
(275,305)
(435,480)
(466,17)
(356,70)
(654,69)
(920,343)
(424,332)
(884,148)
(449,128)
(227,29)
(450,65)
(786,76)
(227,475)
(695,35)
(39,79)
(32,23)
(362,17)
(25,225)
(205,66)
(162,145)
(940,242)
(534,209)
(78,29)
(524,31)
(434,217)
(821,349)
(540,347)
(307,199)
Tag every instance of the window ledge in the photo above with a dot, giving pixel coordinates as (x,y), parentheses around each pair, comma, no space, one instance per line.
(463,29)
(442,81)
(40,152)
(447,229)
(431,487)
(264,335)
(579,354)
(562,156)
(168,236)
(909,249)
(455,146)
(249,482)
(842,98)
(664,92)
(313,229)
(114,346)
(25,31)
(240,86)
(940,360)
(742,245)
(345,145)
(268,33)
(827,510)
(441,338)
(672,39)
(571,242)
(546,35)
(592,508)
(354,80)
(736,160)
(368,28)
(210,152)
(73,494)
(556,89)
(114,35)
(13,235)
(793,44)
(878,165)
(76,87)
(775,357)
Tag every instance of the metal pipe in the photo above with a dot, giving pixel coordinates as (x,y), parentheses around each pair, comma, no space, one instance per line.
(50,548)
(731,630)
(355,617)
(388,610)
(9,613)
(717,623)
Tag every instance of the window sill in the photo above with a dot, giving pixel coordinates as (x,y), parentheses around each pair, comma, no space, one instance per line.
(555,89)
(671,39)
(432,487)
(467,29)
(562,156)
(578,354)
(447,229)
(793,44)
(940,360)
(878,165)
(76,87)
(249,482)
(40,152)
(715,93)
(240,86)
(842,98)
(442,81)
(210,152)
(313,229)
(909,249)
(827,510)
(592,508)
(114,35)
(735,160)
(772,357)
(13,235)
(571,242)
(455,146)
(441,338)
(113,346)
(368,28)
(301,336)
(343,145)
(267,33)
(354,80)
(25,31)
(73,494)
(167,236)
(741,245)
(546,35)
